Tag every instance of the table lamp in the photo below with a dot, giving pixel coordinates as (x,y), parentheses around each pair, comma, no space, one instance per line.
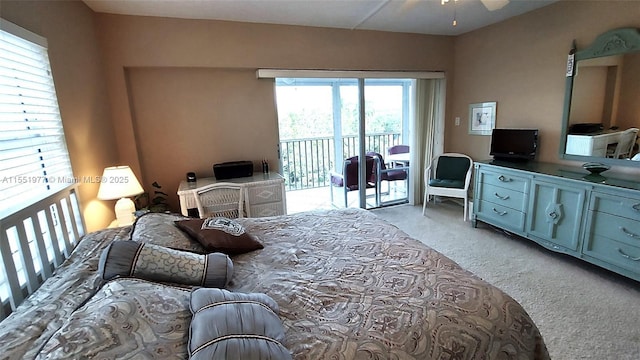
(119,182)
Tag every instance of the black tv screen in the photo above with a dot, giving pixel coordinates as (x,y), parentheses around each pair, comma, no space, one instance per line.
(514,144)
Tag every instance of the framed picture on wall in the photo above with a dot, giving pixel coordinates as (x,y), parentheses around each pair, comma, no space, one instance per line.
(482,118)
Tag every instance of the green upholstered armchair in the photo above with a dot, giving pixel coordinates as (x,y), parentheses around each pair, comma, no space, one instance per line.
(448,175)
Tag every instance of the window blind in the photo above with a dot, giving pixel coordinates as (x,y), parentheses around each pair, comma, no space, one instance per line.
(34,161)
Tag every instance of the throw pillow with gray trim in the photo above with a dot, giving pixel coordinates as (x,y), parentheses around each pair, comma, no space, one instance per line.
(229,325)
(157,263)
(220,234)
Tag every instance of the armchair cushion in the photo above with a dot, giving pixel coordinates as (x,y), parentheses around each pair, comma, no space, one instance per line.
(452,168)
(454,184)
(392,175)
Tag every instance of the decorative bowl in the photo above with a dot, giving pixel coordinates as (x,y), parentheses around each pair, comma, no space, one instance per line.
(595,168)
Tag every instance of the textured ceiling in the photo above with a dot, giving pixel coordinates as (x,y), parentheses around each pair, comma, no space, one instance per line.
(410,16)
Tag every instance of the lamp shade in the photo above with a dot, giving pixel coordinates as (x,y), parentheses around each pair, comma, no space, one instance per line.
(118,182)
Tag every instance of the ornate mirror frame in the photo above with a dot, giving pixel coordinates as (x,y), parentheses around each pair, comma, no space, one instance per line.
(613,42)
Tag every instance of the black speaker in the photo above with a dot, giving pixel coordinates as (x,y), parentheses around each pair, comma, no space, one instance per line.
(233,169)
(191,177)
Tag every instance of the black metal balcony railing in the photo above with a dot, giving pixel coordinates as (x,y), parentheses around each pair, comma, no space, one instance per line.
(306,163)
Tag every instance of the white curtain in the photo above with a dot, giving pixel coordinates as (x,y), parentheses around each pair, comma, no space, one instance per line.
(428,131)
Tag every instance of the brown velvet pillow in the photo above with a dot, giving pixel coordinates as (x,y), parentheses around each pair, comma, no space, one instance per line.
(223,235)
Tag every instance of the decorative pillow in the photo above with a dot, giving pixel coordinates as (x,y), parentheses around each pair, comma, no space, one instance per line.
(227,325)
(159,229)
(220,234)
(157,263)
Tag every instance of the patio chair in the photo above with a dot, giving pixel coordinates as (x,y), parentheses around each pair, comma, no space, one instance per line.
(448,175)
(389,175)
(348,180)
(220,200)
(398,149)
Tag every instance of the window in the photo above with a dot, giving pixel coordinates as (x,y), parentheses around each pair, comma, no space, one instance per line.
(34,161)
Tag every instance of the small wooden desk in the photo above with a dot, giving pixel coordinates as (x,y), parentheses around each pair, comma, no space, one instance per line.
(264,194)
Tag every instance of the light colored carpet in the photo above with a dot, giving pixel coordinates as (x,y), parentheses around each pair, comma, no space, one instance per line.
(582,311)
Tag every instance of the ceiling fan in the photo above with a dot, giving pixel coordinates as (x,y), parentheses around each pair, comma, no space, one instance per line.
(491,5)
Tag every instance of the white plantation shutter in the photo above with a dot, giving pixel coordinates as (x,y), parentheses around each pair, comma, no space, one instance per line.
(34,161)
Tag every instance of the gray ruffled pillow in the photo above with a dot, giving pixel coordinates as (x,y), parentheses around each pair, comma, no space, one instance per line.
(228,325)
(157,263)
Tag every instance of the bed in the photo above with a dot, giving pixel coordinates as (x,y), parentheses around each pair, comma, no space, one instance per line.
(347,285)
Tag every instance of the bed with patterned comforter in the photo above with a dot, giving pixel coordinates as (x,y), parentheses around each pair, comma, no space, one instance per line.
(348,286)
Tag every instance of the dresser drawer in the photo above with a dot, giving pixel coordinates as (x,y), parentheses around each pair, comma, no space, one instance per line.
(613,252)
(509,218)
(628,207)
(271,209)
(264,194)
(506,180)
(503,196)
(615,227)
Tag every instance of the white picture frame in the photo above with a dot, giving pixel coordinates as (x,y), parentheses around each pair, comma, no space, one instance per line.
(482,118)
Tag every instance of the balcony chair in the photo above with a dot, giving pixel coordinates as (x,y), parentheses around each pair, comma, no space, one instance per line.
(625,145)
(348,180)
(220,200)
(448,175)
(382,173)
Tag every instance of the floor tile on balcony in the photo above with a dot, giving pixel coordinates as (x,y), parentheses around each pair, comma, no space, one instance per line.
(320,198)
(308,199)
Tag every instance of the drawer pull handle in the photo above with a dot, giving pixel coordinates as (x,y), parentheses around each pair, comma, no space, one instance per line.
(629,234)
(627,256)
(636,207)
(501,213)
(501,197)
(503,178)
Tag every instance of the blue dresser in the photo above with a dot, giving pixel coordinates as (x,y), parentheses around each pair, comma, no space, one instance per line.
(564,209)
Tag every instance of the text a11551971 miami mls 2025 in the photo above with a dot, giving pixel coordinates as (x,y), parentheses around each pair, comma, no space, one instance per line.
(42,179)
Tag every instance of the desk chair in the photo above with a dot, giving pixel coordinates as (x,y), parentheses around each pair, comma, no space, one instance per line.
(625,145)
(220,200)
(448,175)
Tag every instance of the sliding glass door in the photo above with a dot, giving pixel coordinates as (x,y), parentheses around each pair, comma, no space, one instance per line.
(325,127)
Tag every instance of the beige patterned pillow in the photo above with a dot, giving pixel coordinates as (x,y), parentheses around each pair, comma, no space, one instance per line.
(157,263)
(159,229)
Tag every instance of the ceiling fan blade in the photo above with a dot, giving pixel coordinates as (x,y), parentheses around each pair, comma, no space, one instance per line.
(493,5)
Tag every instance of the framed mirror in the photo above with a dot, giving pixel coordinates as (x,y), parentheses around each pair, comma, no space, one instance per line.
(601,114)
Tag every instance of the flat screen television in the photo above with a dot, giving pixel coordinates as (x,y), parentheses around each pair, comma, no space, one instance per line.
(514,144)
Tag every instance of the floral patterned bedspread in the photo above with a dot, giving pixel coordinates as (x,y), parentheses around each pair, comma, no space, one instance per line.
(348,285)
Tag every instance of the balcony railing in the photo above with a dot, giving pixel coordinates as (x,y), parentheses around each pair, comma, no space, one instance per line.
(306,163)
